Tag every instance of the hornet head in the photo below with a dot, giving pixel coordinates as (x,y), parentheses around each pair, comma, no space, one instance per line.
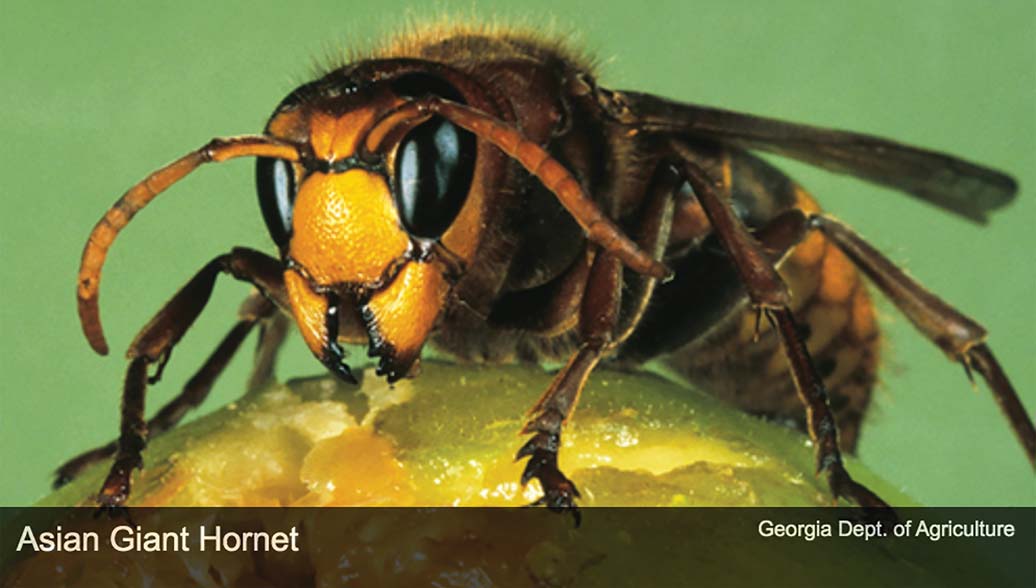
(380,215)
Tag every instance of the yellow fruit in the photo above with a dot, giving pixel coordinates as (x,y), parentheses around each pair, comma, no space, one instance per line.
(448,438)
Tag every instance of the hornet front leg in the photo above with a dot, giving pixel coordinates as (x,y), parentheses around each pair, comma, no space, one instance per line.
(155,342)
(598,317)
(603,325)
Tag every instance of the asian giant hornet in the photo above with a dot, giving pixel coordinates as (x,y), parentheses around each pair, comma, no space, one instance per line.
(482,193)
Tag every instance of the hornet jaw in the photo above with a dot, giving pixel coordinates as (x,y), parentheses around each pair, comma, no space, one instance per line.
(394,318)
(389,364)
(333,356)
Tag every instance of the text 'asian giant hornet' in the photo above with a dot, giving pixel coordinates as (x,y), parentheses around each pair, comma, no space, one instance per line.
(479,191)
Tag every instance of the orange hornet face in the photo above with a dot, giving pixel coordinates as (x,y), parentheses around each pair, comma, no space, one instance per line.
(372,242)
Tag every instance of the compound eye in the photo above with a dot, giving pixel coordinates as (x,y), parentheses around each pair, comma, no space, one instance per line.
(275,184)
(435,163)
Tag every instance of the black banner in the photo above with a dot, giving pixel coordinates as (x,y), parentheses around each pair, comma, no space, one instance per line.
(483,547)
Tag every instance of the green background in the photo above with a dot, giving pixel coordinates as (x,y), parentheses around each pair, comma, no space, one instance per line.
(95,96)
